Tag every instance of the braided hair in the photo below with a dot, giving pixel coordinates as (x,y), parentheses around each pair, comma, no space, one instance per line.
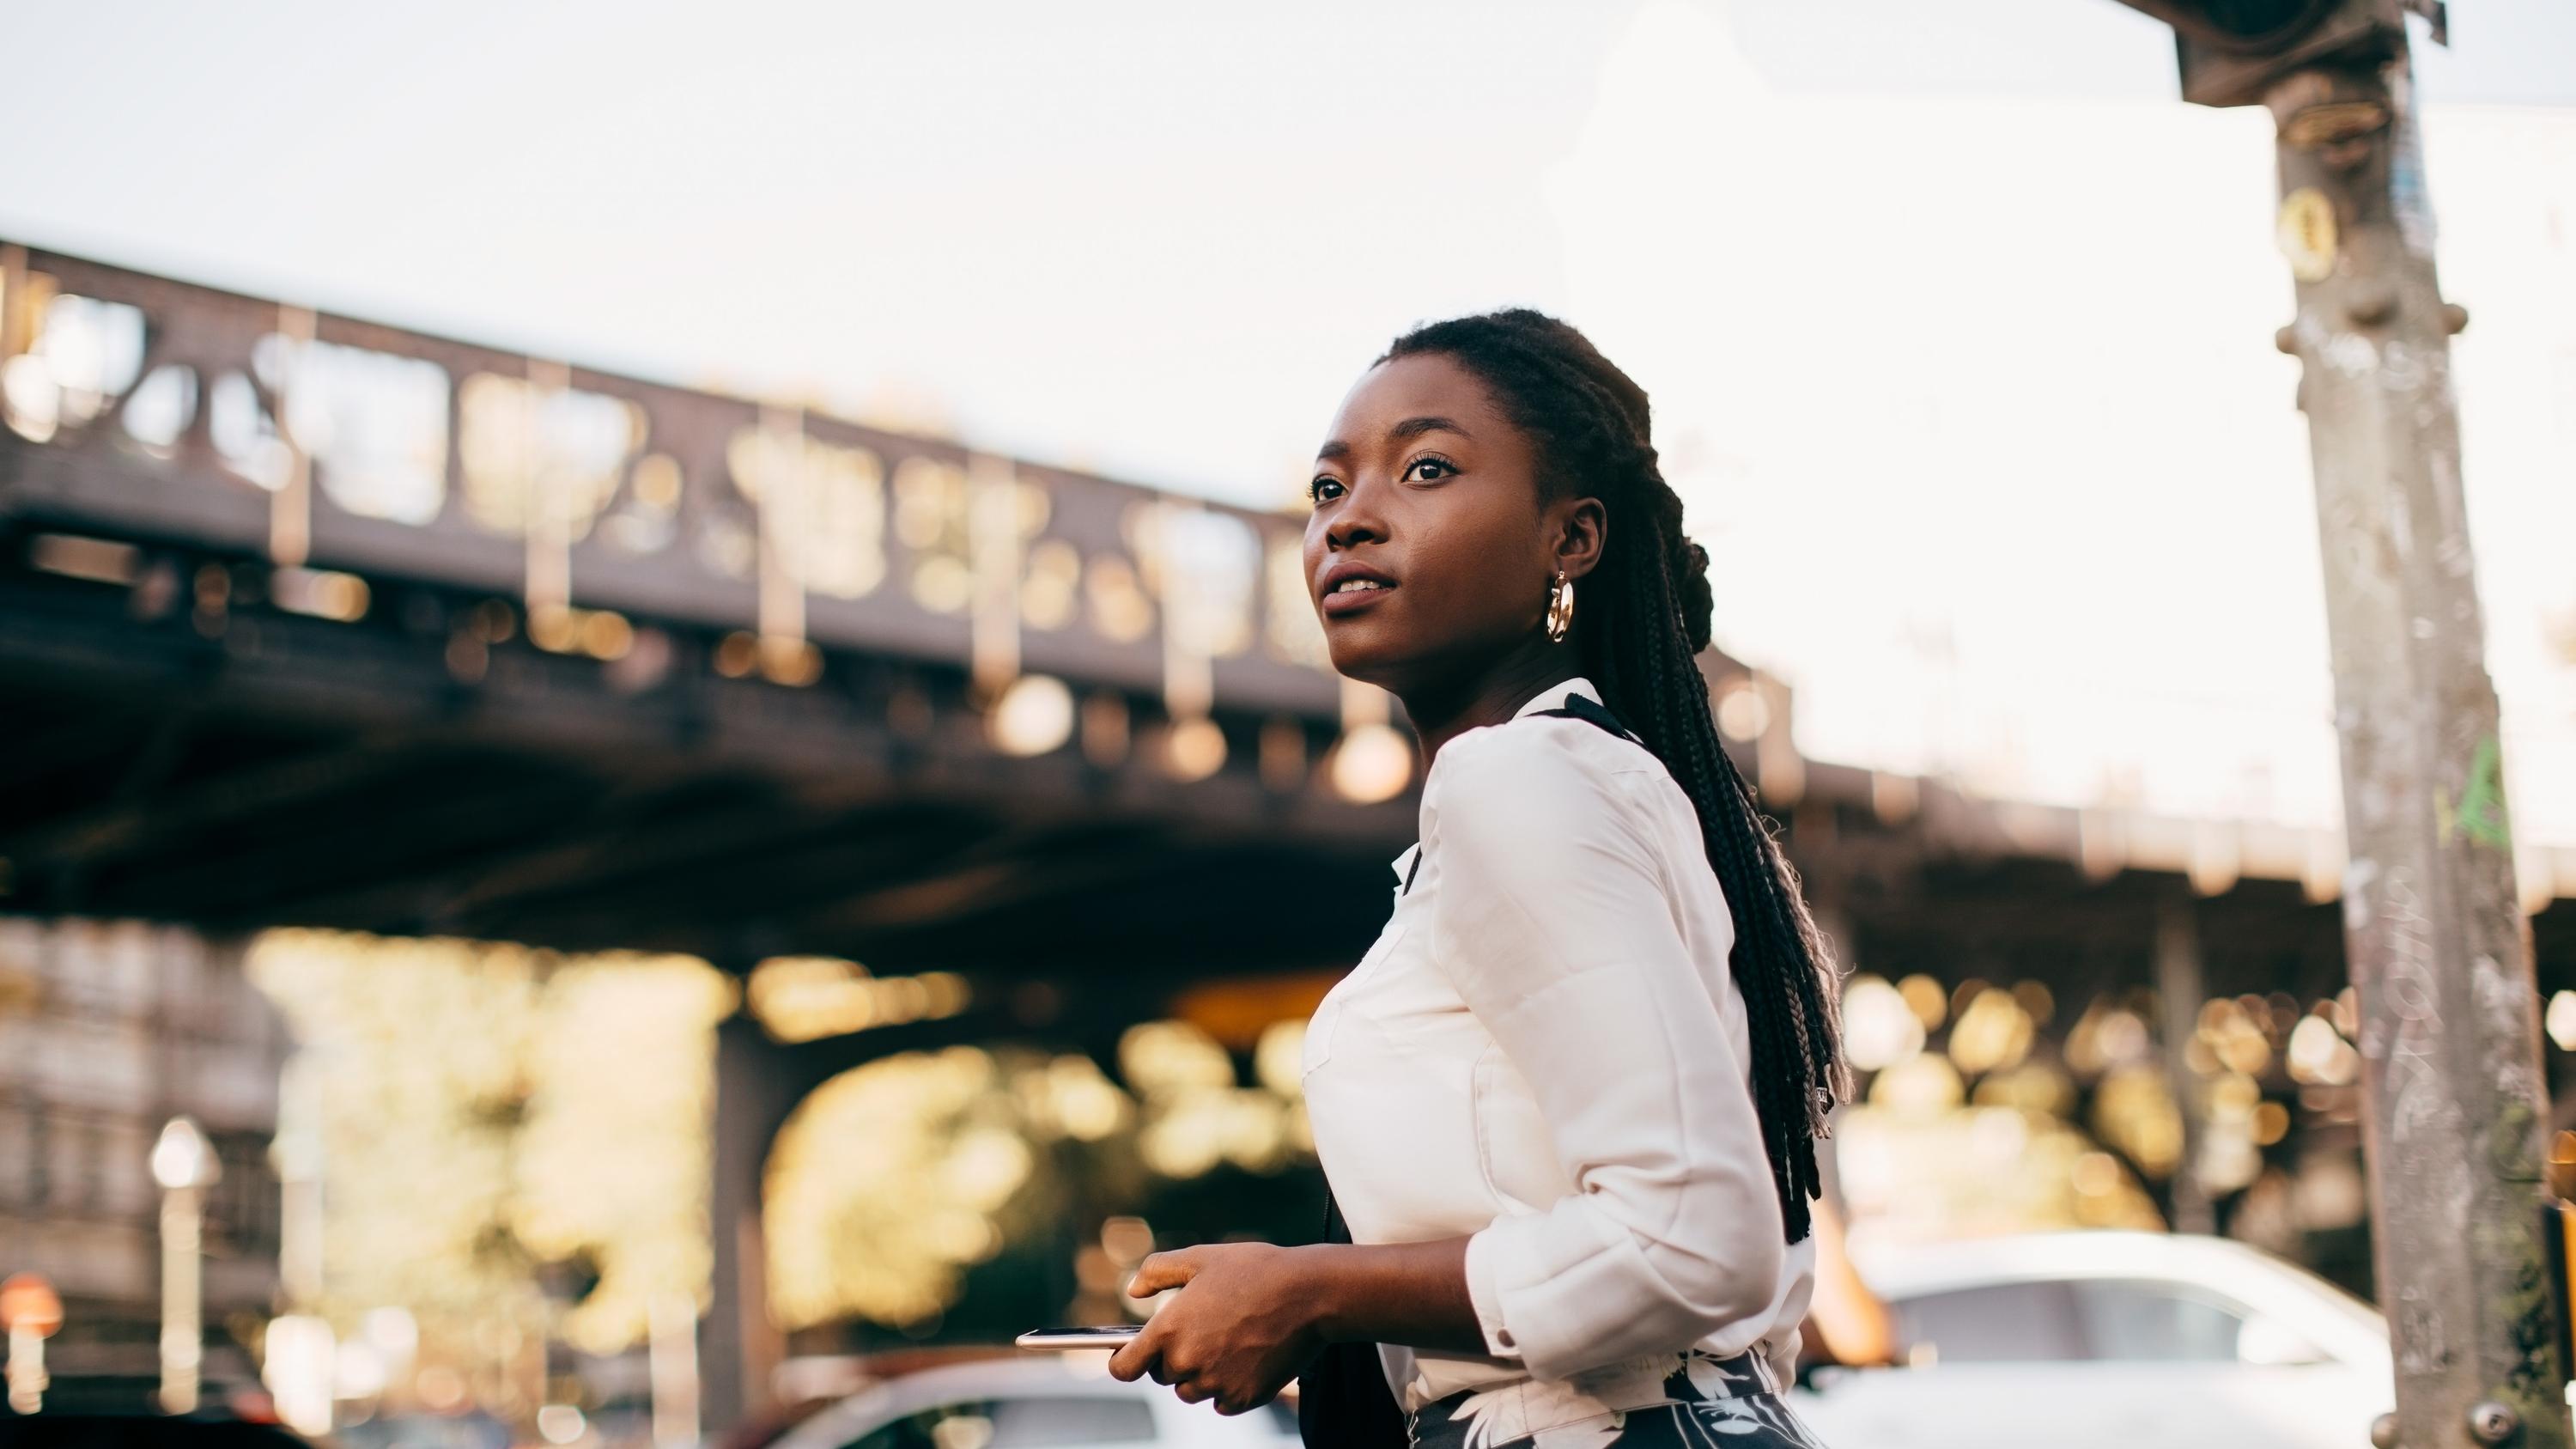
(1643,621)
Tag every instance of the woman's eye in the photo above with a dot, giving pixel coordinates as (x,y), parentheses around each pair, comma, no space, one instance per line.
(1323,490)
(1437,469)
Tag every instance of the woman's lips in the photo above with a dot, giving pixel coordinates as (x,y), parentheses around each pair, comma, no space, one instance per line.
(1343,602)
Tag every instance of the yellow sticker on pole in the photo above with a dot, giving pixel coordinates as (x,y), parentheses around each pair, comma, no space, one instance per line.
(2306,234)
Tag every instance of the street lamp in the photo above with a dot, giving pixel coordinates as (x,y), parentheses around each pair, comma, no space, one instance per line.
(29,1311)
(183,1162)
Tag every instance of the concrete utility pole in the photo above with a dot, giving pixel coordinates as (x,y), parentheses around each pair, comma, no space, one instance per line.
(2439,949)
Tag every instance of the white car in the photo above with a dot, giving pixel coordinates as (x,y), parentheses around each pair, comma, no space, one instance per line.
(2109,1340)
(1026,1403)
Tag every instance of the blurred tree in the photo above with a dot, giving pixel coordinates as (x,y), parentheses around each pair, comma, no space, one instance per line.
(490,1109)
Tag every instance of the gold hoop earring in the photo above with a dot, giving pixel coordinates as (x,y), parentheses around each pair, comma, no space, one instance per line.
(1560,608)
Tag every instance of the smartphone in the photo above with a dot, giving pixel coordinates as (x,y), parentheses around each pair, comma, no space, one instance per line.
(1113,1336)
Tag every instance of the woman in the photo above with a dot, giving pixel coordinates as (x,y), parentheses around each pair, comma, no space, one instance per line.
(1568,1103)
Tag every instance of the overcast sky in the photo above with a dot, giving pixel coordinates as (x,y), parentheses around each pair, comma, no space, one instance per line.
(1958,322)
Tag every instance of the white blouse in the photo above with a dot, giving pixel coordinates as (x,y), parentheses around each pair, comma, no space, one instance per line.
(1545,1048)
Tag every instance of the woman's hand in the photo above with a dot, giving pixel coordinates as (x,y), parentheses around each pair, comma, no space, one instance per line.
(1247,1319)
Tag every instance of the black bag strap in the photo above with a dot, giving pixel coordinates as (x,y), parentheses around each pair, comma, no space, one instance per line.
(1577,706)
(1593,712)
(1342,1398)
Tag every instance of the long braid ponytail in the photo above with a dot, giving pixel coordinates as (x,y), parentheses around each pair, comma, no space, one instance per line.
(1643,620)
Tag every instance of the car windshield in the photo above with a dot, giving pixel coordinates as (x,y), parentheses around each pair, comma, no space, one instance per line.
(2084,1320)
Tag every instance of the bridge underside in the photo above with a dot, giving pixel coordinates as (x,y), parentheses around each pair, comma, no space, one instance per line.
(253,767)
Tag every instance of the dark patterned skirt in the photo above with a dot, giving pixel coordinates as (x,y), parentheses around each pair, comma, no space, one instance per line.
(1704,1401)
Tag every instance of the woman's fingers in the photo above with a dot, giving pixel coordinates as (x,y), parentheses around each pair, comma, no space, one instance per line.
(1160,1271)
(1142,1354)
(1174,1348)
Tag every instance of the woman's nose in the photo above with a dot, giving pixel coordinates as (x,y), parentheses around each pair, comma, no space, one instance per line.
(1357,521)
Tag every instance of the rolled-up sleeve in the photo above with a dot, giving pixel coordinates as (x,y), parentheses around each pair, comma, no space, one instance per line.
(1555,923)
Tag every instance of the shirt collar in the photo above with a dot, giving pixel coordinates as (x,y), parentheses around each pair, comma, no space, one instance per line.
(1554,696)
(1404,864)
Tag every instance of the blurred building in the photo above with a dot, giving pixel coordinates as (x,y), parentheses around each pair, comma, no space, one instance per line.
(107,1031)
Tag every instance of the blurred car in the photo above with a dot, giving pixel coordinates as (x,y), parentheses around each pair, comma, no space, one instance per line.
(48,1430)
(466,1429)
(1029,1403)
(2109,1340)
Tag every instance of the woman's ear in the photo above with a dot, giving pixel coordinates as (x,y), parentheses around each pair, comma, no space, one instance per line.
(1581,531)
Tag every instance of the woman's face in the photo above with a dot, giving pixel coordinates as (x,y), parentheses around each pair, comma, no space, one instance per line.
(1429,553)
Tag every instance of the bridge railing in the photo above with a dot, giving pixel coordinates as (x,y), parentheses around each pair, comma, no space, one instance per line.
(137,406)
